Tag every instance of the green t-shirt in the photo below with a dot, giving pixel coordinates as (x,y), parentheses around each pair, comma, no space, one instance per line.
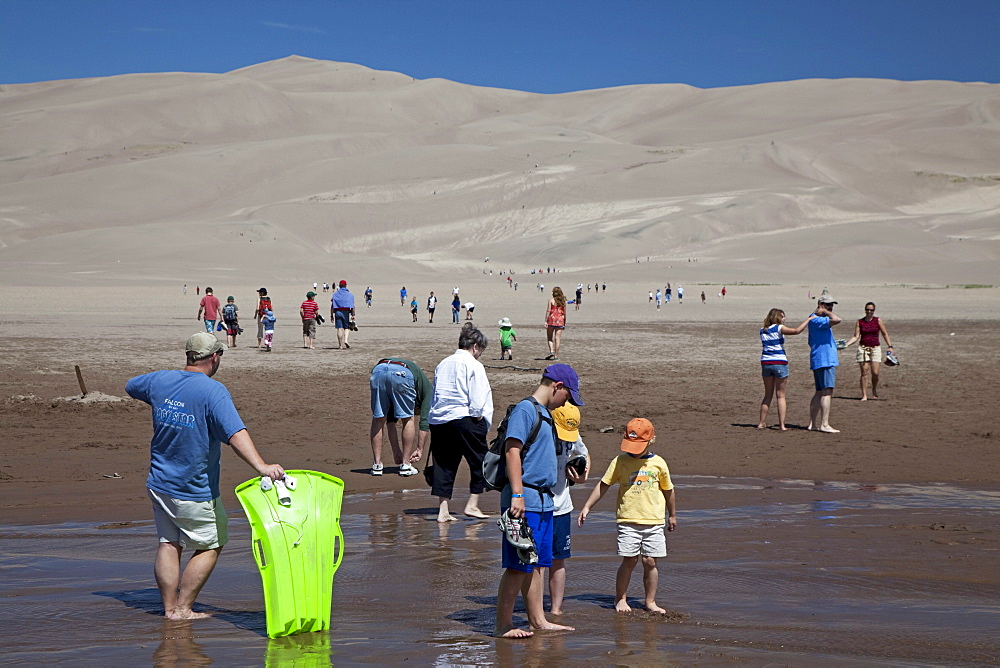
(507,336)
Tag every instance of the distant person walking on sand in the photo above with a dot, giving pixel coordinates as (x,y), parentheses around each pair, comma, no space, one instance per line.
(823,362)
(579,296)
(869,355)
(774,362)
(185,288)
(183,481)
(197,290)
(342,312)
(646,503)
(659,298)
(555,322)
(414,308)
(667,292)
(431,305)
(703,297)
(263,304)
(527,499)
(210,306)
(368,297)
(456,307)
(399,390)
(402,296)
(460,416)
(308,311)
(722,293)
(507,338)
(267,321)
(231,318)
(680,295)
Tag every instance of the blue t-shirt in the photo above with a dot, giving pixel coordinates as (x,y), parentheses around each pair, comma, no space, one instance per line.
(342,299)
(539,466)
(192,416)
(268,321)
(822,348)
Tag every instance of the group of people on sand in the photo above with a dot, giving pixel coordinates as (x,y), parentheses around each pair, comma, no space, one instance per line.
(823,359)
(544,455)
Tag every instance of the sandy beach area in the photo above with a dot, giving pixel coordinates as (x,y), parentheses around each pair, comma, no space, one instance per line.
(905,494)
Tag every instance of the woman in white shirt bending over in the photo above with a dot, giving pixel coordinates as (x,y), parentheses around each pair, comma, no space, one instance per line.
(460,416)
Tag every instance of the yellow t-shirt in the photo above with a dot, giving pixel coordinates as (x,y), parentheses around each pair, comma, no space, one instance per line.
(641,483)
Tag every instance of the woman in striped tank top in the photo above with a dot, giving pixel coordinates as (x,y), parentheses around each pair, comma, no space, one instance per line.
(774,362)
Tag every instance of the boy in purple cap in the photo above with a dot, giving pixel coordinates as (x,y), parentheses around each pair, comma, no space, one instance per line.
(528,494)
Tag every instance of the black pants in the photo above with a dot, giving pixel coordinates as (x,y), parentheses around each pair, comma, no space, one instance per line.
(452,441)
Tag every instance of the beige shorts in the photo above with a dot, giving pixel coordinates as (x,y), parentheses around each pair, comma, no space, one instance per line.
(200,525)
(645,539)
(866,354)
(309,328)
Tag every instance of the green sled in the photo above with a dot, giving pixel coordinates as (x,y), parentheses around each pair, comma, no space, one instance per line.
(298,547)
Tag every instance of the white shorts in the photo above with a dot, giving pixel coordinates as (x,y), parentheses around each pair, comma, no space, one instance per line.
(647,540)
(200,525)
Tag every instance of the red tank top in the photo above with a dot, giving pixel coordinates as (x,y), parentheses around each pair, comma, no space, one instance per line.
(869,332)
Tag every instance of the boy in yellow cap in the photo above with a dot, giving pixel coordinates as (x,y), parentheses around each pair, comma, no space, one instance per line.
(573,465)
(645,496)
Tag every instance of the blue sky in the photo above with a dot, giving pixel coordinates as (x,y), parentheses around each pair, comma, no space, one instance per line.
(545,46)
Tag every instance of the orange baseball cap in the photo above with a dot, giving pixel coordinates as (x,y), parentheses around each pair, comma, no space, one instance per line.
(638,433)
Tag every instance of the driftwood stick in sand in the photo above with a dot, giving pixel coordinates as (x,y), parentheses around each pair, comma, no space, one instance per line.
(79,377)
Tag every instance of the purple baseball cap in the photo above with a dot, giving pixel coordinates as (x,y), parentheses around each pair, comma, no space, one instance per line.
(563,373)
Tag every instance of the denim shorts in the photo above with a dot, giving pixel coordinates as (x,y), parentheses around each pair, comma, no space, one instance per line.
(825,378)
(776,370)
(394,393)
(561,536)
(342,319)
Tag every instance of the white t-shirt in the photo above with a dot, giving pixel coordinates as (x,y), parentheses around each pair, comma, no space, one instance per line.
(560,491)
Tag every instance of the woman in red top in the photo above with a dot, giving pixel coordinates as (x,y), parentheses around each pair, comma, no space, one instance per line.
(869,356)
(555,322)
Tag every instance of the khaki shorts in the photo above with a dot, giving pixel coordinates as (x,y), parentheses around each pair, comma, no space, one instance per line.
(200,525)
(866,354)
(309,328)
(645,539)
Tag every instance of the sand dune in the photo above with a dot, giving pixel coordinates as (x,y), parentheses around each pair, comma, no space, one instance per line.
(293,166)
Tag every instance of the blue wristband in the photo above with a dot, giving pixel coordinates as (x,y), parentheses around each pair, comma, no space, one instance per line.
(517,496)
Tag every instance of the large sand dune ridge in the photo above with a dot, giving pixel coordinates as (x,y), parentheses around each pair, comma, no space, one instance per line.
(293,167)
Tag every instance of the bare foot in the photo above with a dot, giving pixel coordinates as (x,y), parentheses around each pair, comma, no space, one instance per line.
(555,612)
(652,607)
(830,430)
(447,518)
(864,398)
(512,633)
(762,426)
(622,606)
(477,513)
(875,397)
(783,428)
(810,427)
(551,626)
(187,614)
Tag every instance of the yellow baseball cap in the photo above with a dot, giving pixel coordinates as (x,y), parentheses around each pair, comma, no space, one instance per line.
(567,419)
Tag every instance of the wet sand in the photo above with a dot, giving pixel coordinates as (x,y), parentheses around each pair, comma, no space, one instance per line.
(761,572)
(876,544)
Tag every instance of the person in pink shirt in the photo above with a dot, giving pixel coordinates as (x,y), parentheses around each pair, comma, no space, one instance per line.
(211,308)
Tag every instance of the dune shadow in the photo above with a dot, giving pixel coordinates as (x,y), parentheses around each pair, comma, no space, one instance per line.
(148,601)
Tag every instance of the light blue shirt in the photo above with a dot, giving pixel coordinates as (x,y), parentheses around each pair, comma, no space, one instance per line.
(822,347)
(539,466)
(192,416)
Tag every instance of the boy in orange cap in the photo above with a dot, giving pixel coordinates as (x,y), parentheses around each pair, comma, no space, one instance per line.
(645,496)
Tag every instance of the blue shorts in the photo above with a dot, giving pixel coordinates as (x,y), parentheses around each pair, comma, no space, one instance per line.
(776,370)
(342,319)
(210,325)
(561,536)
(394,394)
(825,378)
(541,531)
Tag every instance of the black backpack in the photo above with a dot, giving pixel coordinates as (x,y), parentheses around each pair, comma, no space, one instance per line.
(495,461)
